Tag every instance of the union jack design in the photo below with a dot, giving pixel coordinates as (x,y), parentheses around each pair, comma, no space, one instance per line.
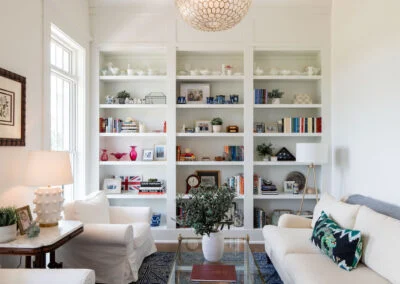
(133,183)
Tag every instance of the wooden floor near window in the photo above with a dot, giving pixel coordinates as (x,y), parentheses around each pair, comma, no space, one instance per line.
(172,247)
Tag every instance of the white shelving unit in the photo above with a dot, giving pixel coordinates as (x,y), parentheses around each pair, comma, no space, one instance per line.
(170,60)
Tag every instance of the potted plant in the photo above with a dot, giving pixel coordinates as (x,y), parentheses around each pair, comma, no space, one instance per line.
(216,123)
(204,212)
(122,96)
(8,224)
(265,150)
(275,96)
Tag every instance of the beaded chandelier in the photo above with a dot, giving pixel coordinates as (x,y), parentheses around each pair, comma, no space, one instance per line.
(213,15)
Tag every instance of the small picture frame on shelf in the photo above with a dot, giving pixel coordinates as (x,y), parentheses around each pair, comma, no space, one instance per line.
(195,93)
(259,127)
(271,127)
(288,186)
(203,126)
(209,178)
(24,218)
(160,152)
(112,185)
(229,215)
(148,154)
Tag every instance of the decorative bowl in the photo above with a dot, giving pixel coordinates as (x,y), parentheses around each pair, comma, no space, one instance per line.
(118,156)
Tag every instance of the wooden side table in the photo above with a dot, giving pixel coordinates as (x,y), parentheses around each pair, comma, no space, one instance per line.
(48,241)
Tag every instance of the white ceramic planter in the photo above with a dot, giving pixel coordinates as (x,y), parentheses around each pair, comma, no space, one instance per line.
(8,233)
(217,128)
(213,246)
(276,101)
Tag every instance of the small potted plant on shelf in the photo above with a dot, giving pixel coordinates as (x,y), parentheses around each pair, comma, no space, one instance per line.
(265,150)
(216,123)
(275,96)
(205,211)
(8,224)
(122,96)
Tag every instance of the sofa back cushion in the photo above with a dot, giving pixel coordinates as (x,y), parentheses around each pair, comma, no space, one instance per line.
(94,209)
(342,213)
(381,242)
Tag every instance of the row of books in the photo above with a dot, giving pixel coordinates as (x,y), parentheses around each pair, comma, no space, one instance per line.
(236,183)
(260,96)
(260,218)
(111,125)
(302,124)
(234,153)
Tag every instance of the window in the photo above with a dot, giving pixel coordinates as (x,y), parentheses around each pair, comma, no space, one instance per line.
(67,105)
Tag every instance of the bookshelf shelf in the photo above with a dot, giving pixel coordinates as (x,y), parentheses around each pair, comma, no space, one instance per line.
(136,196)
(133,106)
(239,134)
(209,163)
(210,106)
(287,134)
(288,77)
(288,106)
(149,134)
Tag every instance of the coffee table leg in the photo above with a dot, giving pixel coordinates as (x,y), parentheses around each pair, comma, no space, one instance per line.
(53,263)
(40,261)
(28,261)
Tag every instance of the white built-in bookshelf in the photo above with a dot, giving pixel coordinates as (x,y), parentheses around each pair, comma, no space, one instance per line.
(170,61)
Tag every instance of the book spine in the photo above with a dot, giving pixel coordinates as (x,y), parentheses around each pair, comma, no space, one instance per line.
(319,124)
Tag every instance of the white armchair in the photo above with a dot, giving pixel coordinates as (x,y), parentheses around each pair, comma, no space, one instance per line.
(114,242)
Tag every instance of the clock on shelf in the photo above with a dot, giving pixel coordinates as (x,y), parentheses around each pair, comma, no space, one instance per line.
(192,181)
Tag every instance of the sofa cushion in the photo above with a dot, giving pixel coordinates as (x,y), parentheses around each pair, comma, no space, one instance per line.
(342,213)
(343,246)
(282,241)
(381,242)
(318,268)
(93,210)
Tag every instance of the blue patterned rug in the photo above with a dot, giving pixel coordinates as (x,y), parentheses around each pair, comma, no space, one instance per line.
(156,267)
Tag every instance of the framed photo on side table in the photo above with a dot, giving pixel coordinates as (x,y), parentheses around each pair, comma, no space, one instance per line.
(24,218)
(195,93)
(209,178)
(12,108)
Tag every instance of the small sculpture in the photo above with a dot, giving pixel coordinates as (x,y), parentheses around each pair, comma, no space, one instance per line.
(33,230)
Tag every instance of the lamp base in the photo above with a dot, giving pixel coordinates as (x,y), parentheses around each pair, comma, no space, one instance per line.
(49,204)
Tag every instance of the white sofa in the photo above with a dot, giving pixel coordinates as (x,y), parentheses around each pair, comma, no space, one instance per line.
(41,276)
(298,261)
(114,242)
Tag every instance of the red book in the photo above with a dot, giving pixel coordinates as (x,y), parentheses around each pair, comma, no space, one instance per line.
(210,272)
(319,124)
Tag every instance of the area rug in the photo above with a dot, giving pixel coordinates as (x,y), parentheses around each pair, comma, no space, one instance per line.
(156,268)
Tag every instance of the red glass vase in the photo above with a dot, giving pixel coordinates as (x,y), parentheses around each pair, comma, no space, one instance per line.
(104,156)
(133,153)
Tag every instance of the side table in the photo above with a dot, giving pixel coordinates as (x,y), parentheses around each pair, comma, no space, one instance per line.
(48,241)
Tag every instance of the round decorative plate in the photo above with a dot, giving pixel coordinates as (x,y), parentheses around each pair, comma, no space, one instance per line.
(298,178)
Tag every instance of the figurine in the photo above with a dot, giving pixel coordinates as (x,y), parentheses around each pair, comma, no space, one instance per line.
(33,230)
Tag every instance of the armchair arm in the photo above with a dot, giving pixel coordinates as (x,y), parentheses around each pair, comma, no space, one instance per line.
(106,234)
(128,215)
(294,221)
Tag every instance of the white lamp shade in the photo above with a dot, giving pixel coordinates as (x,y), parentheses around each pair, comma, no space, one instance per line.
(48,168)
(316,153)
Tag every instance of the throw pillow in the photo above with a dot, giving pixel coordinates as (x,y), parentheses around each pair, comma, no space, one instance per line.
(94,209)
(343,246)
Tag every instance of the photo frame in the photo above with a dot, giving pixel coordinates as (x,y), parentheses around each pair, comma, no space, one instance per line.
(148,154)
(160,152)
(288,186)
(230,214)
(204,126)
(195,93)
(24,218)
(12,108)
(112,185)
(271,127)
(259,127)
(209,178)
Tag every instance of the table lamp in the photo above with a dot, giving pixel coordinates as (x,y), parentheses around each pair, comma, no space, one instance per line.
(311,153)
(46,169)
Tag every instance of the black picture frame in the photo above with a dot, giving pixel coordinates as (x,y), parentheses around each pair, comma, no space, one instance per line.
(209,178)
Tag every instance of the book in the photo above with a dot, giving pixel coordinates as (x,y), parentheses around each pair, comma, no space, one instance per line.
(213,272)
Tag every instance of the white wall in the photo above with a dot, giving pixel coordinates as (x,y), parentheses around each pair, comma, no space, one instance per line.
(366,97)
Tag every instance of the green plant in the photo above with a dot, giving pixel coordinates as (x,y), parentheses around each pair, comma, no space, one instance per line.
(206,208)
(264,149)
(216,121)
(275,94)
(8,216)
(123,95)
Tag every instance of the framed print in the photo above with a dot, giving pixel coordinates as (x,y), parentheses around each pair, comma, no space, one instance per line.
(24,217)
(160,152)
(209,178)
(12,108)
(229,215)
(195,93)
(259,127)
(112,185)
(288,186)
(148,154)
(271,127)
(204,126)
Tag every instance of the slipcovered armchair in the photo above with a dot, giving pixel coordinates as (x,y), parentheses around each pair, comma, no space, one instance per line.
(114,242)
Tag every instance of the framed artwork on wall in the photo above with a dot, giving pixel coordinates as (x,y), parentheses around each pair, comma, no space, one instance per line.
(12,108)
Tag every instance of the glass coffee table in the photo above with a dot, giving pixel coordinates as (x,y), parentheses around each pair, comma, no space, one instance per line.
(237,252)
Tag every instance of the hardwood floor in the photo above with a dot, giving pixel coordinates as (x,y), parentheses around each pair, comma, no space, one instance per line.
(171,247)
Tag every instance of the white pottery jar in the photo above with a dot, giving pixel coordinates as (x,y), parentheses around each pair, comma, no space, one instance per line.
(217,128)
(213,246)
(276,101)
(8,233)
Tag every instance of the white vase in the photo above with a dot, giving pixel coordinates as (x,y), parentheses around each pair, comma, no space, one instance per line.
(213,246)
(276,101)
(8,233)
(217,128)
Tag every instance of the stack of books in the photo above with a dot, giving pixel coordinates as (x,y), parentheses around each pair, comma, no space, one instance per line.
(264,187)
(260,96)
(129,127)
(152,187)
